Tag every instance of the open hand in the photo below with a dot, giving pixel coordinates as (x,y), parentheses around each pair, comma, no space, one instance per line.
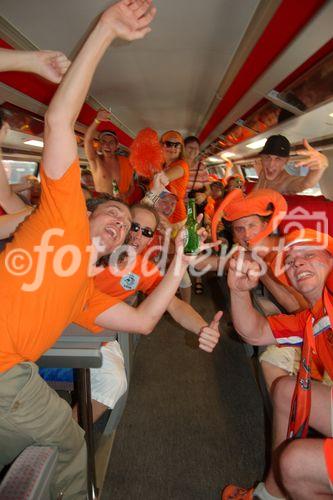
(314,159)
(209,335)
(50,64)
(129,19)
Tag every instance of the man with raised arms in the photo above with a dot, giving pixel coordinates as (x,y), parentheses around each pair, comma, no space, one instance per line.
(109,170)
(274,157)
(44,271)
(308,259)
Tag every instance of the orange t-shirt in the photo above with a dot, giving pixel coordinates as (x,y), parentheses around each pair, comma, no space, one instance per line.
(34,311)
(289,330)
(178,187)
(126,174)
(139,277)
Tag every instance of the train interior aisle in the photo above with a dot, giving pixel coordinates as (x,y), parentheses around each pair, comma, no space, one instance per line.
(193,421)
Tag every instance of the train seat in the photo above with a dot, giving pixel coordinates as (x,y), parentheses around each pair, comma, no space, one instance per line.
(30,475)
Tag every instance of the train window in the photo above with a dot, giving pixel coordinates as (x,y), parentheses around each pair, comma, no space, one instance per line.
(250,173)
(16,170)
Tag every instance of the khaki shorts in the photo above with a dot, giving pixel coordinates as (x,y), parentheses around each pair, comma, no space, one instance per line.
(288,359)
(31,413)
(186,281)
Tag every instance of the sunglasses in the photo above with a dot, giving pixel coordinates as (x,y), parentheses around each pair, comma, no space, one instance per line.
(170,144)
(145,231)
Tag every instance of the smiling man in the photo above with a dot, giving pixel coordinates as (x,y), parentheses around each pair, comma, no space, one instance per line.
(31,321)
(306,465)
(108,383)
(108,167)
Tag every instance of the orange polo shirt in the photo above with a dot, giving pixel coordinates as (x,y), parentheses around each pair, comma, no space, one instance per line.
(178,187)
(33,315)
(289,330)
(139,277)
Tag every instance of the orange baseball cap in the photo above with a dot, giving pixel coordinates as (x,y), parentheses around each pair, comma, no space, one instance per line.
(172,134)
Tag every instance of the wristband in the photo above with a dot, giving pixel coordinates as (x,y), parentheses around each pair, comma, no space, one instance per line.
(152,197)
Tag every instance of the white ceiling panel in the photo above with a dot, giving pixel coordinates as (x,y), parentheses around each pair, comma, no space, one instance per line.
(166,80)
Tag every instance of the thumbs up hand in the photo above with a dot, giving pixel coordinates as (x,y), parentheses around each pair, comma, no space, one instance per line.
(209,335)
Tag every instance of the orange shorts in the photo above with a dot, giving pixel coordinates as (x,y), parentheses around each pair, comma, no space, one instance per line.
(328,452)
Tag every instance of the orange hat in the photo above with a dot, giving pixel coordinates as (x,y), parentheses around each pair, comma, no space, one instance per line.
(311,237)
(172,134)
(237,205)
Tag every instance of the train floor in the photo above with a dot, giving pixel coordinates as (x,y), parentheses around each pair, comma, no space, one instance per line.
(193,421)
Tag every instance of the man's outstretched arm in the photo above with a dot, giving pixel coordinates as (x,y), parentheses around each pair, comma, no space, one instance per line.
(49,64)
(90,151)
(186,316)
(127,19)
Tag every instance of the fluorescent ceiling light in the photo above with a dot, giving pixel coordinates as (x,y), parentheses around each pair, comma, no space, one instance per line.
(257,144)
(213,159)
(227,154)
(33,142)
(331,114)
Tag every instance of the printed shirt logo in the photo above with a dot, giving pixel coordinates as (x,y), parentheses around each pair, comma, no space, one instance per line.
(130,281)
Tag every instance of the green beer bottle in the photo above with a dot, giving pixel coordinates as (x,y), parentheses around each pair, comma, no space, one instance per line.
(192,241)
(115,189)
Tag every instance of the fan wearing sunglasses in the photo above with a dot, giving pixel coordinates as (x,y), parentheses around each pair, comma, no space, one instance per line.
(143,277)
(177,171)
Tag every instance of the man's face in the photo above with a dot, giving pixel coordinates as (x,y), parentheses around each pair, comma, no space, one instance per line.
(142,229)
(246,228)
(236,183)
(110,222)
(108,145)
(166,204)
(192,150)
(273,166)
(307,268)
(216,192)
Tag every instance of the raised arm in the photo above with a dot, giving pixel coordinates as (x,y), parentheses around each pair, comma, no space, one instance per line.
(127,19)
(291,301)
(191,320)
(144,318)
(49,64)
(251,326)
(91,154)
(9,223)
(9,201)
(174,172)
(316,163)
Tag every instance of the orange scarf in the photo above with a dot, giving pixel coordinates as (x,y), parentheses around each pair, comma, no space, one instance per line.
(301,402)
